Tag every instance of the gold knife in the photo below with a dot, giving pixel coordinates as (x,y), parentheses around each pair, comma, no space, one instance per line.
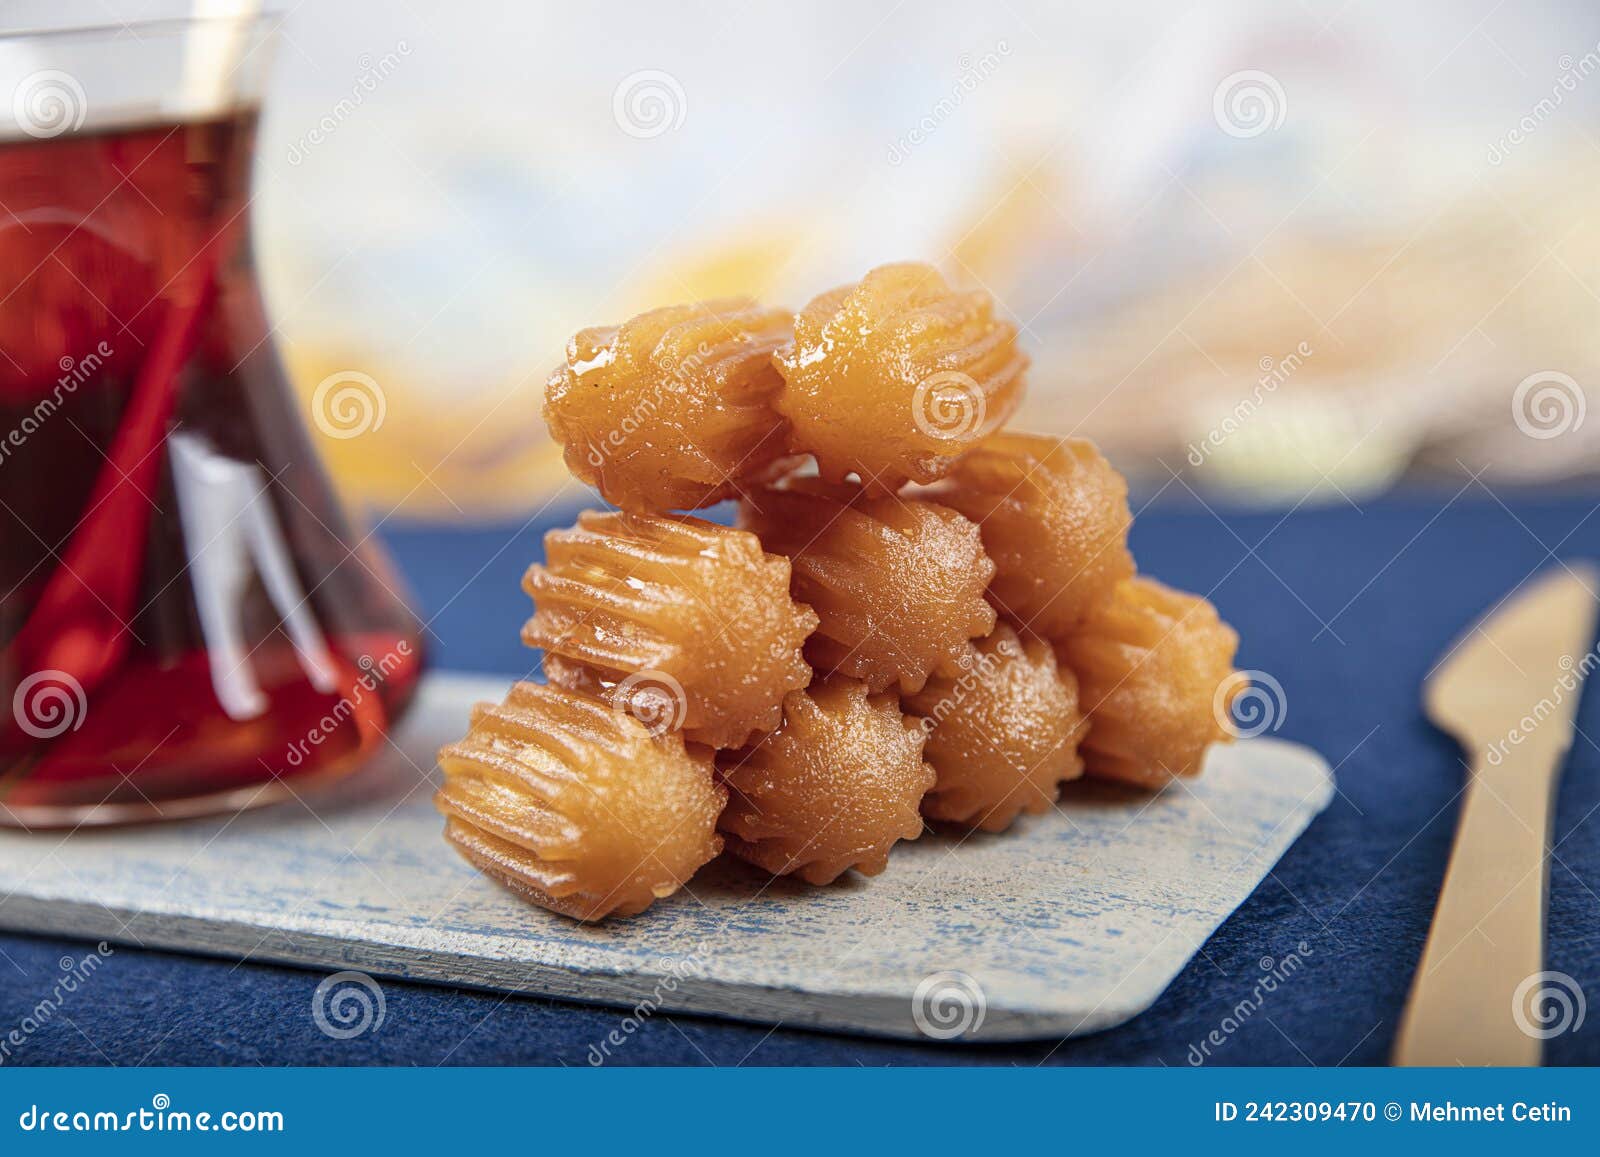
(1508,691)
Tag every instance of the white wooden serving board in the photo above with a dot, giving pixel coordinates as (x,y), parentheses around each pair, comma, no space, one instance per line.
(1072,923)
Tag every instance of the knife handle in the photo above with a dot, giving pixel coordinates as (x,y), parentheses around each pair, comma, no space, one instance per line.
(1487,936)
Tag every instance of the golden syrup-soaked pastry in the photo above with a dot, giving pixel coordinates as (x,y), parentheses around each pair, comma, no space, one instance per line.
(1055,518)
(577,806)
(895,377)
(1155,674)
(684,623)
(898,583)
(1003,728)
(833,788)
(673,409)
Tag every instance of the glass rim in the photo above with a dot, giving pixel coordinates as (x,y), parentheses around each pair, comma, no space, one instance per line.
(80,80)
(158,25)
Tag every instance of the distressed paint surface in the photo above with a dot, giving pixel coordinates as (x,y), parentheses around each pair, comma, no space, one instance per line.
(1070,923)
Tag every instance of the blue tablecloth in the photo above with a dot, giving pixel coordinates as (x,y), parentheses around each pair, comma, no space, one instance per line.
(1346,607)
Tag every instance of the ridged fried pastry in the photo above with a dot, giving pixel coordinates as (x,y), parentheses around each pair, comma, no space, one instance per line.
(894,377)
(577,806)
(897,583)
(672,409)
(1003,728)
(833,788)
(1055,518)
(1151,665)
(685,623)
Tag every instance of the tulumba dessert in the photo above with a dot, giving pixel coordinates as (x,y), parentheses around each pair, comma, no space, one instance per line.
(897,584)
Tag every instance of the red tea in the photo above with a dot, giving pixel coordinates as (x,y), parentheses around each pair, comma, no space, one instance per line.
(187,621)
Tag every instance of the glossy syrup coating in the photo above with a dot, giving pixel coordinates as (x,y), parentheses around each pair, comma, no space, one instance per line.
(672,410)
(577,806)
(833,788)
(684,623)
(893,378)
(1155,673)
(1003,728)
(1054,515)
(897,583)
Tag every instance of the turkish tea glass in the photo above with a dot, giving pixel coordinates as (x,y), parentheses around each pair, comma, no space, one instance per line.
(188,622)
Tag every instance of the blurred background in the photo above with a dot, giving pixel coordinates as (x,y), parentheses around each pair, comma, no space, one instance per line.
(1279,252)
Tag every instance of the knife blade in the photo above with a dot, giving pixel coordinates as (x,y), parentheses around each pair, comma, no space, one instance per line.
(1508,692)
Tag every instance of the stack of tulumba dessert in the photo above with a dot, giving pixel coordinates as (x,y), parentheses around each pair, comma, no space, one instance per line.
(920,616)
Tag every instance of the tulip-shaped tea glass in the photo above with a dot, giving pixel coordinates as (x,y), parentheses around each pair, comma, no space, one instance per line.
(187,621)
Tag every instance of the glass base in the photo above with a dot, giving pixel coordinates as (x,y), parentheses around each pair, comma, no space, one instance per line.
(69,817)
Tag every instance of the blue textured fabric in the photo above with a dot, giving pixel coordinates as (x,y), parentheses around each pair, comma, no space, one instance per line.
(1347,608)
